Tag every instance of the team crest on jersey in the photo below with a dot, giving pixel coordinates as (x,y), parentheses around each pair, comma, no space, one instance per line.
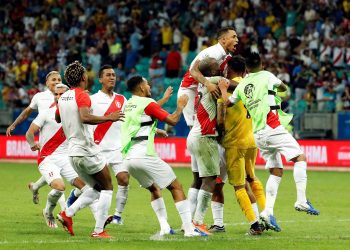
(249,90)
(118,104)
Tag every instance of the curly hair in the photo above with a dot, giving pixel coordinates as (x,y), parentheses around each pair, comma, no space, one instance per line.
(74,73)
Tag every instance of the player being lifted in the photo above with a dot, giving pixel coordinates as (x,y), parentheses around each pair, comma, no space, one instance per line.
(227,41)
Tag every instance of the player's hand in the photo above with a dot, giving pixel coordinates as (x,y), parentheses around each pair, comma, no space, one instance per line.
(162,133)
(10,129)
(213,89)
(35,147)
(116,116)
(182,101)
(223,84)
(168,93)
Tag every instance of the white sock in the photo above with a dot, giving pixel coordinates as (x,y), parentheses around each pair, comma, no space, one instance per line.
(203,200)
(183,207)
(103,205)
(192,198)
(52,199)
(85,199)
(94,208)
(159,208)
(77,192)
(271,192)
(121,198)
(62,202)
(39,183)
(256,210)
(300,178)
(217,210)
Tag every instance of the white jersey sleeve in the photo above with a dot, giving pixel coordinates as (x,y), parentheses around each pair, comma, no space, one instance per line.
(40,119)
(274,81)
(234,98)
(34,102)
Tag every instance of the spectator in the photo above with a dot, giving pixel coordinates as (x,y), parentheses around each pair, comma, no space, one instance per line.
(346,98)
(173,63)
(157,75)
(131,58)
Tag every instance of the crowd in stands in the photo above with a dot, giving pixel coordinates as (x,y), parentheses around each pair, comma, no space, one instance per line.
(305,43)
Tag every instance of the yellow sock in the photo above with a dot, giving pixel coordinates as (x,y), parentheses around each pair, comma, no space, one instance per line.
(258,191)
(246,205)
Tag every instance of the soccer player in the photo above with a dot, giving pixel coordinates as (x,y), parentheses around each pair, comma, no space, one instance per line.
(202,142)
(74,111)
(138,131)
(107,135)
(257,91)
(240,150)
(227,41)
(53,158)
(41,102)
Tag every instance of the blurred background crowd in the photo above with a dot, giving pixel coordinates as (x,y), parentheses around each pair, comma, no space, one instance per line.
(305,43)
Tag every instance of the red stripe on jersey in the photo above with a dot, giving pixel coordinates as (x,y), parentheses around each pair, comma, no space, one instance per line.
(208,127)
(101,129)
(188,80)
(337,59)
(51,145)
(53,105)
(224,63)
(273,120)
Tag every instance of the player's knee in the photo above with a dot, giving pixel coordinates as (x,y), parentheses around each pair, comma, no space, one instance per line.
(301,157)
(123,179)
(276,171)
(57,184)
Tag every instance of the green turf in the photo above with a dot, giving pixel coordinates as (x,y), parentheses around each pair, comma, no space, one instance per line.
(22,225)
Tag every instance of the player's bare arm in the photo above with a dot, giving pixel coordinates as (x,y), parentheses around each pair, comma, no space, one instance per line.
(223,85)
(88,118)
(33,129)
(166,96)
(161,133)
(173,118)
(220,118)
(198,76)
(283,87)
(24,115)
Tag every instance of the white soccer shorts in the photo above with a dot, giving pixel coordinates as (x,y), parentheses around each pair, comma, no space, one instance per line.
(114,160)
(55,167)
(86,166)
(206,152)
(274,142)
(150,170)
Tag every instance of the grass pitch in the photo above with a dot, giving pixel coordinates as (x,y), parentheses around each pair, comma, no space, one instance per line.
(22,225)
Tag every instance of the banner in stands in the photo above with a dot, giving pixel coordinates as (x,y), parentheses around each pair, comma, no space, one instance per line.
(173,150)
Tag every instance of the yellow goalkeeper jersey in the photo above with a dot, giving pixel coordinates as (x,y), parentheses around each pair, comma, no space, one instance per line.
(238,126)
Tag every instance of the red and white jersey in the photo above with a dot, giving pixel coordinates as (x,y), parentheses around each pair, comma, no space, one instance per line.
(42,101)
(216,51)
(205,117)
(51,139)
(347,58)
(338,57)
(325,52)
(107,134)
(79,135)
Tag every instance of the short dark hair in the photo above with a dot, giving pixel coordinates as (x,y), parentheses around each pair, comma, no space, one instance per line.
(223,31)
(106,66)
(205,66)
(74,73)
(133,82)
(237,64)
(253,60)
